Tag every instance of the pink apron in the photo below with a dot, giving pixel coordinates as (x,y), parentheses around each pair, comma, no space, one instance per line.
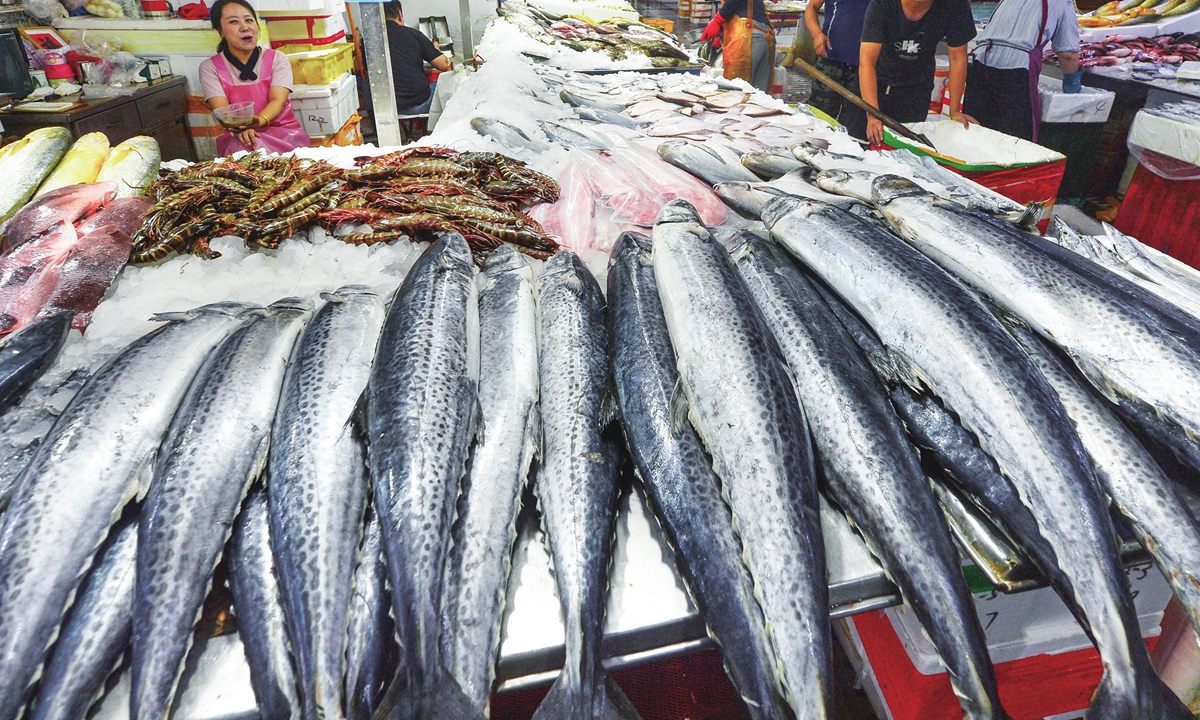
(283,134)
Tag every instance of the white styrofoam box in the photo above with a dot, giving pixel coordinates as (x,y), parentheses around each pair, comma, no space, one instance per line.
(324,109)
(301,7)
(188,65)
(1188,70)
(1033,622)
(1169,136)
(1089,105)
(329,7)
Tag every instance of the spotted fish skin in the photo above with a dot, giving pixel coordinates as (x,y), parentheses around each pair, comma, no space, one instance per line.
(421,410)
(259,609)
(54,524)
(576,485)
(318,488)
(1138,487)
(870,470)
(371,650)
(216,447)
(681,487)
(95,633)
(1002,399)
(744,408)
(486,528)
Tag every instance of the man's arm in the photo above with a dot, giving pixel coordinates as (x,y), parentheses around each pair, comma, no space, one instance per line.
(868,55)
(441,62)
(958,85)
(820,41)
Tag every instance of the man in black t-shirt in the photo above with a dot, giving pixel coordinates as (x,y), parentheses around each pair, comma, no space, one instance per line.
(410,50)
(896,58)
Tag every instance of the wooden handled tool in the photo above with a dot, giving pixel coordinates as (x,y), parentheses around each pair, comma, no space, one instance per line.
(896,127)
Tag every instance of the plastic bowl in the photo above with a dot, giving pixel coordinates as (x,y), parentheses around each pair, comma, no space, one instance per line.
(235,115)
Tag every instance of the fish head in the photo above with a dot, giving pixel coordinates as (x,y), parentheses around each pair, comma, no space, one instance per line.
(566,269)
(806,152)
(504,259)
(452,249)
(347,291)
(789,205)
(292,303)
(677,211)
(631,245)
(887,188)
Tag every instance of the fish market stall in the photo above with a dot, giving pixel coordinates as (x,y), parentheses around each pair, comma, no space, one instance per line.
(607,369)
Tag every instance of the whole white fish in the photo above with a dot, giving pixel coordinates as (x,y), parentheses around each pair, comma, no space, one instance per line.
(742,404)
(1139,488)
(254,584)
(95,633)
(216,447)
(481,554)
(681,487)
(577,483)
(1123,351)
(925,318)
(869,468)
(108,434)
(371,650)
(421,408)
(318,488)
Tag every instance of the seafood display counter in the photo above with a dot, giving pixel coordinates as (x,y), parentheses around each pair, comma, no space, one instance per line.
(649,616)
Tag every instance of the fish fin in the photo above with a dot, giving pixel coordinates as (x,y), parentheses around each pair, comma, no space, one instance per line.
(1029,218)
(1162,704)
(679,408)
(445,701)
(559,703)
(610,701)
(145,474)
(533,432)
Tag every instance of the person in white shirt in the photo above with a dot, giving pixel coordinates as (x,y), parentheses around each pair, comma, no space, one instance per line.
(1002,81)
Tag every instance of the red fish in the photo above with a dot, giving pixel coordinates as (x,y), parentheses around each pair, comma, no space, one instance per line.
(125,213)
(70,204)
(90,268)
(29,275)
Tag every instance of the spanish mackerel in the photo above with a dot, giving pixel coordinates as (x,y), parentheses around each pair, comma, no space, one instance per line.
(770,164)
(108,433)
(999,396)
(1132,359)
(577,483)
(681,487)
(743,406)
(371,650)
(869,468)
(704,162)
(486,528)
(95,633)
(29,352)
(421,408)
(216,447)
(256,601)
(318,488)
(956,456)
(1138,487)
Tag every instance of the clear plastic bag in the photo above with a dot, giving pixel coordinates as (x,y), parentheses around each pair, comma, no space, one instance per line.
(1164,166)
(44,11)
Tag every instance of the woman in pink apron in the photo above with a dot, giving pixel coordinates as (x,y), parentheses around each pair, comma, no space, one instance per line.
(241,71)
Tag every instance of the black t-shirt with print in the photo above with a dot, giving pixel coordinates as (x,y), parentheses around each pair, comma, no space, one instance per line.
(909,47)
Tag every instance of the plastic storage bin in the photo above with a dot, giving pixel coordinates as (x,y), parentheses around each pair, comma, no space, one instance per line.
(1045,665)
(319,66)
(306,30)
(323,109)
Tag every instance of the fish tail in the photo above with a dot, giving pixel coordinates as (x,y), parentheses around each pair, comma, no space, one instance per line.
(443,699)
(1155,701)
(567,701)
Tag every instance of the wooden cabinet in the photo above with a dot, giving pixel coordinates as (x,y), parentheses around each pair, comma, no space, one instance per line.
(157,110)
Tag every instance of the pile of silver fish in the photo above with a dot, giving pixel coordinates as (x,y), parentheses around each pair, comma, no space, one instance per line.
(354,472)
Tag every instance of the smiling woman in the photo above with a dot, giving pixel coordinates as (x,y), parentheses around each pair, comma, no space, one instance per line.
(243,72)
